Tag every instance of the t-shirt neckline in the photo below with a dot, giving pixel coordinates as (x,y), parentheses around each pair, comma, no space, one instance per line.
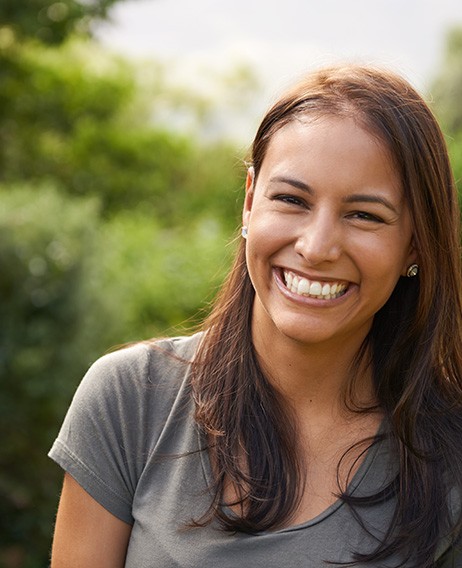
(353,485)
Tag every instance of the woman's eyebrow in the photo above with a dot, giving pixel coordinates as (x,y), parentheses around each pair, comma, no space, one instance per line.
(293,182)
(371,198)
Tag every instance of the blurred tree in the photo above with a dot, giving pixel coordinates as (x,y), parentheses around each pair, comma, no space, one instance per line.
(447,87)
(45,345)
(447,95)
(160,278)
(50,21)
(45,94)
(78,116)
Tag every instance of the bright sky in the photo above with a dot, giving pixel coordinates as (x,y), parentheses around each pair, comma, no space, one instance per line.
(282,38)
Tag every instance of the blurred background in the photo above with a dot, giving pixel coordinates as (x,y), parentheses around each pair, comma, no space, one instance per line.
(124,127)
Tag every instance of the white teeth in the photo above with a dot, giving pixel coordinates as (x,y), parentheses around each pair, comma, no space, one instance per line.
(305,287)
(315,289)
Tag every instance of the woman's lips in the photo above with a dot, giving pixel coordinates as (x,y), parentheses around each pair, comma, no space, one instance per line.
(313,288)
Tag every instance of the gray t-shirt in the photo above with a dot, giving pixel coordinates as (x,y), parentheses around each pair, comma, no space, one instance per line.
(130,440)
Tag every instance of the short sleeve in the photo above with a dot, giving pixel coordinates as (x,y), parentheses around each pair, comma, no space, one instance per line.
(102,442)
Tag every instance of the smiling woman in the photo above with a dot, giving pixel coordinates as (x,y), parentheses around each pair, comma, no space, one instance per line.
(317,416)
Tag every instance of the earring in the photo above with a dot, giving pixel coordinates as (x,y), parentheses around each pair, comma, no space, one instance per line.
(412,271)
(244,232)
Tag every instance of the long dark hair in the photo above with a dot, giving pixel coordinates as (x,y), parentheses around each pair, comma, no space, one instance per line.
(415,341)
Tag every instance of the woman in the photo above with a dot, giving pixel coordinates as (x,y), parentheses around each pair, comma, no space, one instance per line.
(317,417)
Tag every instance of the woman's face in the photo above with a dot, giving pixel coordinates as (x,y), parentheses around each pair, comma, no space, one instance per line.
(329,232)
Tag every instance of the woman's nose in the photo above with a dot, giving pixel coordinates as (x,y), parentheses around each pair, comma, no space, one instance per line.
(319,240)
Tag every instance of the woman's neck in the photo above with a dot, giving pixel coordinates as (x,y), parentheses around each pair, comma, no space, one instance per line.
(315,376)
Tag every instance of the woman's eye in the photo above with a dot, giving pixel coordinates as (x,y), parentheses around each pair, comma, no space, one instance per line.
(365,216)
(290,199)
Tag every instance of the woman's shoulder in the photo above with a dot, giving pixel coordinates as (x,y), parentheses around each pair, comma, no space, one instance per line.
(118,413)
(146,360)
(141,372)
(181,349)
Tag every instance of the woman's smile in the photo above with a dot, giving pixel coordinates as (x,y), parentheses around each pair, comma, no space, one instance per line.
(313,288)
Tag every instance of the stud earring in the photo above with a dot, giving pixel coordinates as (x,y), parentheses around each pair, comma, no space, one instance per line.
(412,271)
(244,232)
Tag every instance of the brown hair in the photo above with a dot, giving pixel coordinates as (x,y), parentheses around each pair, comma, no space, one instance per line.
(415,340)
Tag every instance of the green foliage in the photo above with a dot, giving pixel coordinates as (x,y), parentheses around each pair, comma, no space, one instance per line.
(50,21)
(212,187)
(447,88)
(49,99)
(127,168)
(160,278)
(45,346)
(455,153)
(447,94)
(74,115)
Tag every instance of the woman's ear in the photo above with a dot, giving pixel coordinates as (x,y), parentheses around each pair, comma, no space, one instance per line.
(249,192)
(412,258)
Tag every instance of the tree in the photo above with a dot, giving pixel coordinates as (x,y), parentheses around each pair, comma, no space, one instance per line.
(447,95)
(79,117)
(45,240)
(49,21)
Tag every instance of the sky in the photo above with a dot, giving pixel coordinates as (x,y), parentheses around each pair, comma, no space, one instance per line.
(282,39)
